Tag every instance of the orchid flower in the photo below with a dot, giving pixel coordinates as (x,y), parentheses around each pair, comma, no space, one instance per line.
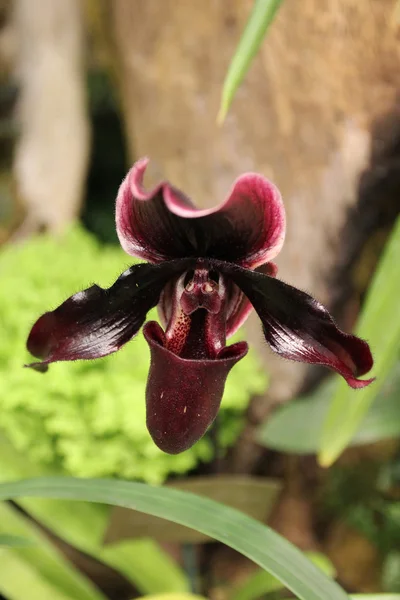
(205,271)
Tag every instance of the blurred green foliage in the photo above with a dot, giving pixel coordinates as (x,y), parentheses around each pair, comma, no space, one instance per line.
(355,496)
(88,418)
(296,427)
(367,499)
(379,324)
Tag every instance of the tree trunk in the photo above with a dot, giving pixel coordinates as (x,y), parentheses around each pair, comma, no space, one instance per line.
(52,152)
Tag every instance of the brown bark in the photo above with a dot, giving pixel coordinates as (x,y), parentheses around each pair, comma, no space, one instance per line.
(52,152)
(302,117)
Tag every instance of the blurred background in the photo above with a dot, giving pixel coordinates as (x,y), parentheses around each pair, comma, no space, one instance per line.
(87,87)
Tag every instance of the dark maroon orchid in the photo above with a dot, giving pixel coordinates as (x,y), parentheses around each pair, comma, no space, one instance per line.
(206,269)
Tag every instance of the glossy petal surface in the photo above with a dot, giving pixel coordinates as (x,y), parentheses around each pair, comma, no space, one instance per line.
(97,321)
(248,228)
(183,395)
(298,327)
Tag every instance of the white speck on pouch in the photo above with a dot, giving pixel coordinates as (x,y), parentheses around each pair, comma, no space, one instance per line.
(184,410)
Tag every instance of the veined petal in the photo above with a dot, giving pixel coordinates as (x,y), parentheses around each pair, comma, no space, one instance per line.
(298,327)
(183,395)
(97,321)
(248,228)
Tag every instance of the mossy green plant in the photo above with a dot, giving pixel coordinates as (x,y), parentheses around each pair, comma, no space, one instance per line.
(88,417)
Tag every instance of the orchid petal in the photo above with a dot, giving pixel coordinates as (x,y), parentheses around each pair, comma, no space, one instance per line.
(97,321)
(248,228)
(298,327)
(183,395)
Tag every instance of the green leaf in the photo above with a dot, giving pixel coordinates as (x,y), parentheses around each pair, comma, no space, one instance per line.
(254,496)
(380,326)
(37,565)
(173,597)
(369,597)
(260,19)
(20,579)
(262,582)
(143,562)
(375,596)
(242,533)
(391,567)
(12,541)
(296,427)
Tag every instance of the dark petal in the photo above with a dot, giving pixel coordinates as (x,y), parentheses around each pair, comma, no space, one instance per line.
(98,321)
(183,395)
(248,228)
(298,327)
